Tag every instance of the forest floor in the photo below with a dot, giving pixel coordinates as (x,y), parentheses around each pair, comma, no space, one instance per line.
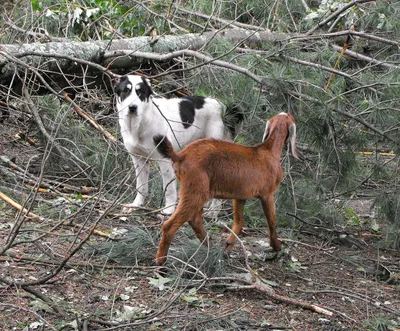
(343,271)
(111,283)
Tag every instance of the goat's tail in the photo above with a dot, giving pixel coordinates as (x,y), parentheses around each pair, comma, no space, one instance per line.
(233,118)
(164,147)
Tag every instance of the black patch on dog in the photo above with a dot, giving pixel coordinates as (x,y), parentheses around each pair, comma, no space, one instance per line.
(122,89)
(143,90)
(187,112)
(197,100)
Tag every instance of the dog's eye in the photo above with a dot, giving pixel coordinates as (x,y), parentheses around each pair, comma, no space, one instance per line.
(128,88)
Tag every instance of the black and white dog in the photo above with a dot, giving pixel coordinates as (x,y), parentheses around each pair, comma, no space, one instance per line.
(182,120)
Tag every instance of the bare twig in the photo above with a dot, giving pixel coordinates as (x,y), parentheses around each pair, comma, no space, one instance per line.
(345,46)
(256,283)
(40,124)
(41,218)
(38,35)
(362,57)
(19,207)
(336,13)
(246,258)
(96,125)
(221,21)
(26,311)
(172,55)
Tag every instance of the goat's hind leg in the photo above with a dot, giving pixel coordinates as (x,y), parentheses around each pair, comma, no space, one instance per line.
(197,226)
(182,214)
(268,205)
(238,222)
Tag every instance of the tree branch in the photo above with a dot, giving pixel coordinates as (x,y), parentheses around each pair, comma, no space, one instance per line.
(335,14)
(190,53)
(359,56)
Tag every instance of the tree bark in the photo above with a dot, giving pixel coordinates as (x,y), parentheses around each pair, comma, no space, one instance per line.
(35,54)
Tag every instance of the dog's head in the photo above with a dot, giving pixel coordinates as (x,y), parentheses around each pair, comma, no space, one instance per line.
(133,94)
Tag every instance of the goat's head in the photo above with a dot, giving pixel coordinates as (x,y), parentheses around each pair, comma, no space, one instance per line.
(287,120)
(133,94)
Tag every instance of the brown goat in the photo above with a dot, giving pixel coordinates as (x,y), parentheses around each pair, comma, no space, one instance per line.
(210,168)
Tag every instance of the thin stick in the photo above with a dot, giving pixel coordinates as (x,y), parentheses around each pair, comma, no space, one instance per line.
(16,205)
(246,259)
(335,14)
(345,46)
(96,125)
(41,218)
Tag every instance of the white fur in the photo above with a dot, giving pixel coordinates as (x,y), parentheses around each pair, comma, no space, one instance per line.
(138,130)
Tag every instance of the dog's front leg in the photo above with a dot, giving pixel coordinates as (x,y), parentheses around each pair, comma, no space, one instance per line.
(141,165)
(169,185)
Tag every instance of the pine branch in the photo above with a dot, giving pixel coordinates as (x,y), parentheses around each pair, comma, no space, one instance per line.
(359,56)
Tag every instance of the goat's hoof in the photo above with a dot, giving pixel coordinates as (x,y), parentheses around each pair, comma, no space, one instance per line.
(160,269)
(272,255)
(160,261)
(228,249)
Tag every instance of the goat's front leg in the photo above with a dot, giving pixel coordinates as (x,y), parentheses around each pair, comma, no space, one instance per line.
(169,185)
(238,222)
(141,165)
(268,205)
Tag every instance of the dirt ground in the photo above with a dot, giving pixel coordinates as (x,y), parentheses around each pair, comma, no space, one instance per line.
(343,271)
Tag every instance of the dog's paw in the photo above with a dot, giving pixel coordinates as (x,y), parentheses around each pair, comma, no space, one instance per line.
(130,208)
(127,210)
(168,211)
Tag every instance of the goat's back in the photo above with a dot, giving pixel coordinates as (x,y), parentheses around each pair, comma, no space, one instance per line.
(233,171)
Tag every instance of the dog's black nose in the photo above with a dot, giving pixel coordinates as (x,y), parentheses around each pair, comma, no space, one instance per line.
(132,109)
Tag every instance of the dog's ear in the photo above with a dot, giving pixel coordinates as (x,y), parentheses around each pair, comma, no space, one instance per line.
(123,88)
(143,89)
(119,80)
(148,81)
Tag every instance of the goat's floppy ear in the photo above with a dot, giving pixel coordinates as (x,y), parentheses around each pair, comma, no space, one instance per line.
(292,140)
(266,131)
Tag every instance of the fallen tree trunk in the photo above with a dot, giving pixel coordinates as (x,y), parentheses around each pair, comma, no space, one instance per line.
(34,54)
(70,66)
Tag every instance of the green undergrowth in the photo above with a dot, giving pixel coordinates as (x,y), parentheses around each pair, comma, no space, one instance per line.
(139,245)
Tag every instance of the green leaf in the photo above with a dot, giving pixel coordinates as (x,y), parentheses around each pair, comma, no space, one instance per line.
(159,282)
(189,299)
(375,226)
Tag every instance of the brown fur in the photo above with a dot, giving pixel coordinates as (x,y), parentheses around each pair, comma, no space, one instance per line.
(209,168)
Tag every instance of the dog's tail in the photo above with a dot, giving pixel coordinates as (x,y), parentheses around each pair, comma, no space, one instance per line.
(164,147)
(233,118)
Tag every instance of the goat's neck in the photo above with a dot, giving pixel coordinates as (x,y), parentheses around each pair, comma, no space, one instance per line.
(275,141)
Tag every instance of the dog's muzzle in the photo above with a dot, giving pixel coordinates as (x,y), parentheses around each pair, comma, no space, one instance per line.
(132,109)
